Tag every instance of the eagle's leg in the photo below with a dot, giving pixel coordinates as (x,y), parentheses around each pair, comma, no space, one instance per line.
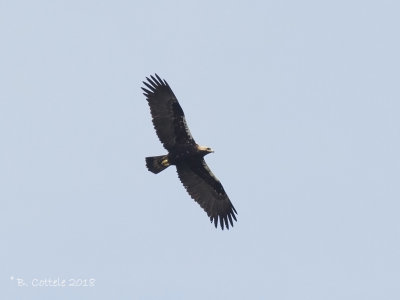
(165,162)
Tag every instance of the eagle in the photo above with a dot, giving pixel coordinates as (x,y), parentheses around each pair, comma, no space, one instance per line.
(183,152)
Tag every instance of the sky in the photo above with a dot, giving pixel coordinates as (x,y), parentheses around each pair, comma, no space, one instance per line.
(299,99)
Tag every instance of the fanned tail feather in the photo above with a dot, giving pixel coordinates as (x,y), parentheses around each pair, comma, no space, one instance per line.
(154,163)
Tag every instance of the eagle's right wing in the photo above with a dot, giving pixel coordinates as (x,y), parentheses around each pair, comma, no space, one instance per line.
(207,190)
(168,117)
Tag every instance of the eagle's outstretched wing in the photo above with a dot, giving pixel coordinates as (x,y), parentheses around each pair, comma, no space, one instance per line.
(207,190)
(168,117)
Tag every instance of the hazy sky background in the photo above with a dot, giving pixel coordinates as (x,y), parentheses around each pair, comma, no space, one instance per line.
(299,99)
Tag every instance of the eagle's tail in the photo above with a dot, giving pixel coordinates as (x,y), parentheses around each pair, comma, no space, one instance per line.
(156,164)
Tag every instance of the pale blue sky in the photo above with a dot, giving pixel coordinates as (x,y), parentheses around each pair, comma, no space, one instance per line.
(299,99)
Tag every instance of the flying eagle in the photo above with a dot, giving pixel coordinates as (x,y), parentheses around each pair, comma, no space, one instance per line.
(183,152)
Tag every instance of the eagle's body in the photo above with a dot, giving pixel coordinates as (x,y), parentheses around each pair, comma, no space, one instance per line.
(183,152)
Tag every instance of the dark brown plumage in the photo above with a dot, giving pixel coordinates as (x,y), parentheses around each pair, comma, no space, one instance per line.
(183,152)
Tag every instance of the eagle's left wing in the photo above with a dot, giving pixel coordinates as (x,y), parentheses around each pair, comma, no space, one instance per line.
(168,117)
(207,190)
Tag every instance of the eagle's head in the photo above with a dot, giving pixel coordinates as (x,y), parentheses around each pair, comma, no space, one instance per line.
(205,150)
